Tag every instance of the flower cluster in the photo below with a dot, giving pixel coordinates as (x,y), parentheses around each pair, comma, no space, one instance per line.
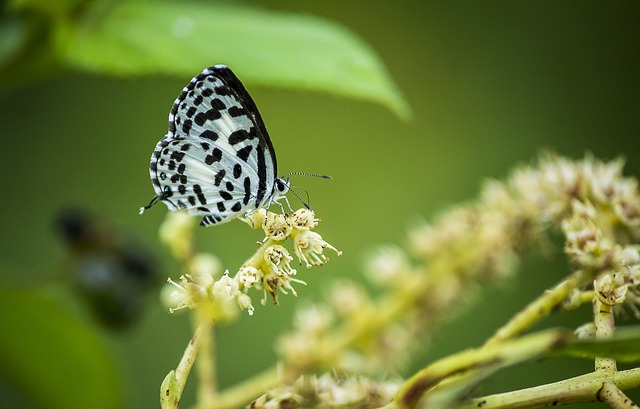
(327,392)
(596,208)
(205,286)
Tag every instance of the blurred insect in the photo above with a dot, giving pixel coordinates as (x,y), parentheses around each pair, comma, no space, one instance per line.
(111,272)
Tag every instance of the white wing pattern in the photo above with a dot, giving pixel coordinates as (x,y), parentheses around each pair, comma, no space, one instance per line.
(217,159)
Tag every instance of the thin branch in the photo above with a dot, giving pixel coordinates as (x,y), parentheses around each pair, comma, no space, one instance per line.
(536,310)
(614,397)
(604,321)
(584,388)
(207,388)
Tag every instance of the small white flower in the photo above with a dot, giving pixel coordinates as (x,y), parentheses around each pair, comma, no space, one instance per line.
(309,247)
(608,291)
(244,301)
(278,259)
(226,288)
(304,219)
(277,227)
(249,277)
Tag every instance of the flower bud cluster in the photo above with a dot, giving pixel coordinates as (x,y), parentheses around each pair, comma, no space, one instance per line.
(327,392)
(220,294)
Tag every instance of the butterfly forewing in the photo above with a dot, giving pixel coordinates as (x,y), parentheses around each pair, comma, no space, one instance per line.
(217,159)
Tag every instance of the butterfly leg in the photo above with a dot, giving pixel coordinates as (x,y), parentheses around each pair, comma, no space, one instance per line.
(288,204)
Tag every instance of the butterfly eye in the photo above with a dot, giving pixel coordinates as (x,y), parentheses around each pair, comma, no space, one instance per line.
(281,185)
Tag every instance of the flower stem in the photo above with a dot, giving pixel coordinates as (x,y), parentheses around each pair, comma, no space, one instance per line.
(614,397)
(585,388)
(240,394)
(538,309)
(188,358)
(604,321)
(207,389)
(467,362)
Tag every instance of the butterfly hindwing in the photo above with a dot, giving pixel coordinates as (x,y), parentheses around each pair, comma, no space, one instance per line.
(192,182)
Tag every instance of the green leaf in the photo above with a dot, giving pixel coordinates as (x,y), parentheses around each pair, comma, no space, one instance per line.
(624,346)
(55,360)
(262,47)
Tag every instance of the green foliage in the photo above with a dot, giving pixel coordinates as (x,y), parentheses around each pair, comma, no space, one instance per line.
(623,347)
(180,38)
(57,361)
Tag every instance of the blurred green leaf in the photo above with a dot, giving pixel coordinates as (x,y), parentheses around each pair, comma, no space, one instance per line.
(263,47)
(54,359)
(623,347)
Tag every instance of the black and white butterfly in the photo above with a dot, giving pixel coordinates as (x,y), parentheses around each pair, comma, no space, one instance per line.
(217,159)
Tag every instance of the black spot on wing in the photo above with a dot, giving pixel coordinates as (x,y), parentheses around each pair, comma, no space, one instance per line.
(209,115)
(177,155)
(225,195)
(186,127)
(210,219)
(239,136)
(237,170)
(245,152)
(236,111)
(215,156)
(223,90)
(262,177)
(198,191)
(247,191)
(209,134)
(217,104)
(219,176)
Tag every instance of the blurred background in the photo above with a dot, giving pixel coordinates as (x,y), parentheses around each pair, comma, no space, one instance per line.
(490,84)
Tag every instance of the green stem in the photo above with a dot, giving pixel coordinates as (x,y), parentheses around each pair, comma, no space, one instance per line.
(188,358)
(207,389)
(536,310)
(614,397)
(491,357)
(240,394)
(584,388)
(604,321)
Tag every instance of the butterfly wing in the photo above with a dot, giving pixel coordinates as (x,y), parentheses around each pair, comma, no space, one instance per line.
(195,177)
(217,158)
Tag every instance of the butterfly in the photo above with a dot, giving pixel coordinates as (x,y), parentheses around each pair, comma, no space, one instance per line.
(217,159)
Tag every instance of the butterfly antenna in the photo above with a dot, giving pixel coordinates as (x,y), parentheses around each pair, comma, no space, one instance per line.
(153,201)
(300,199)
(307,174)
